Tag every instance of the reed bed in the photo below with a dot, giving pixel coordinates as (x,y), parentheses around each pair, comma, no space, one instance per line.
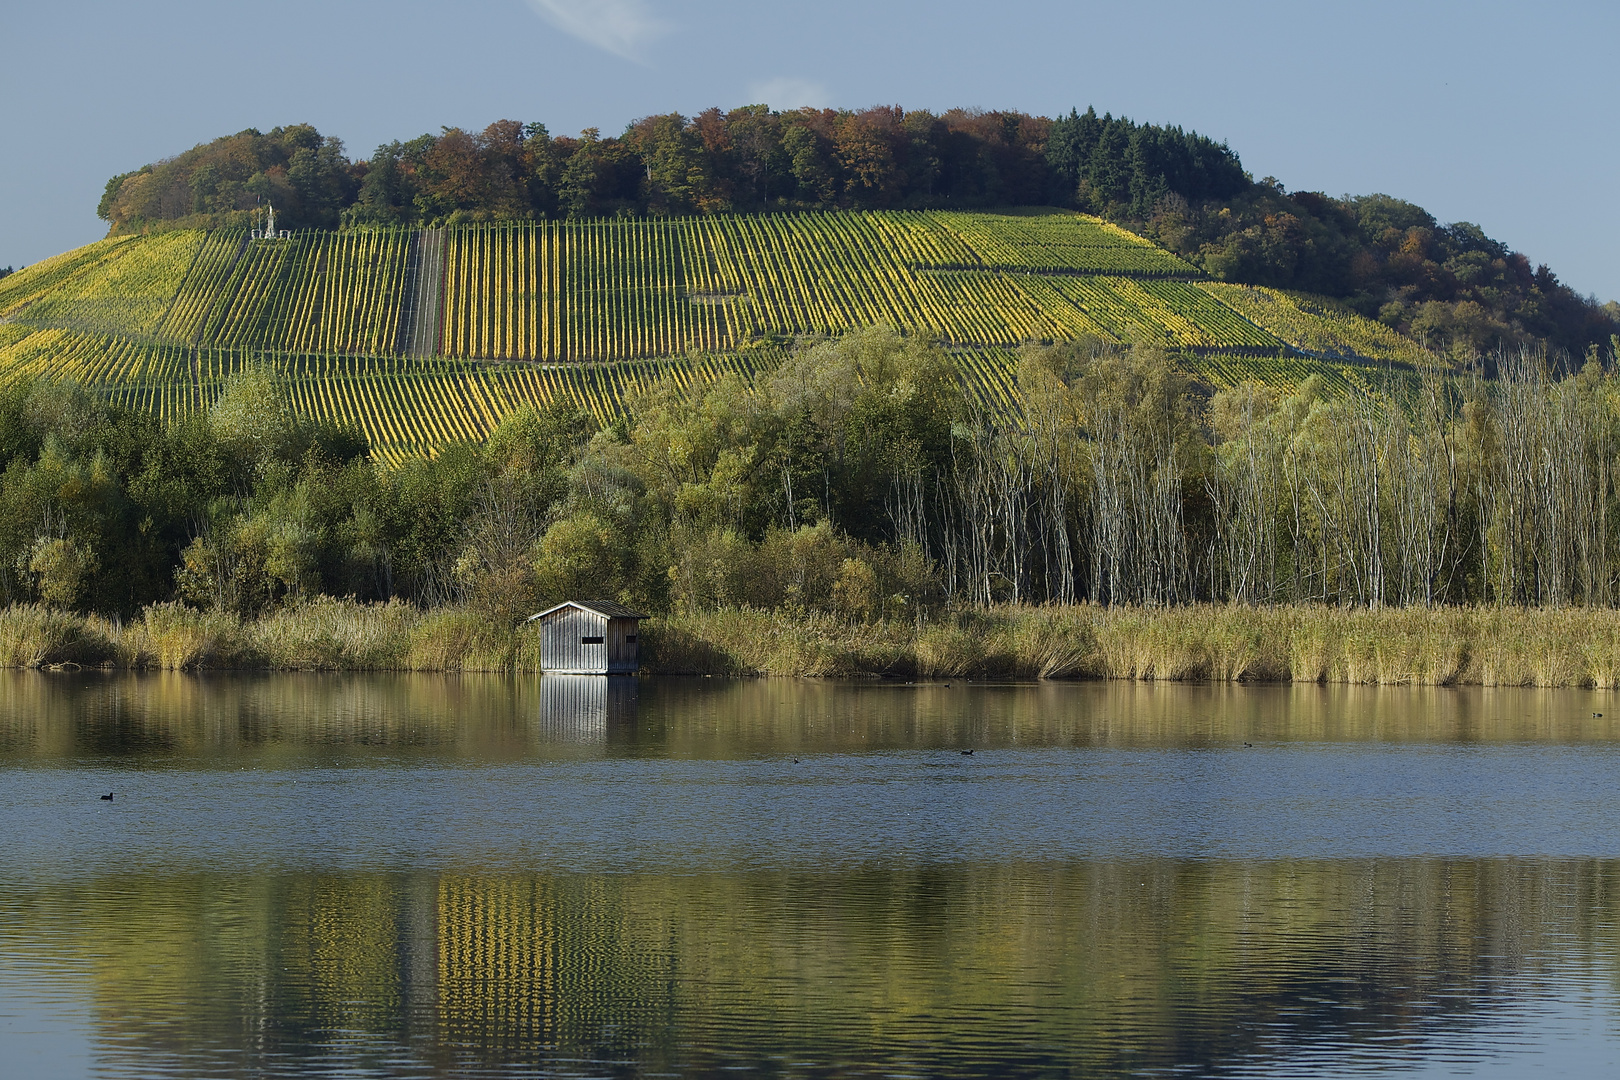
(1453,646)
(1484,646)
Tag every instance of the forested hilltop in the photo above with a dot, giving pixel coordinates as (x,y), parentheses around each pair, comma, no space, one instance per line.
(1451,286)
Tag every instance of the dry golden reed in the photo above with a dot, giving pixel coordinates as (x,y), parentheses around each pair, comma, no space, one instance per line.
(1221,643)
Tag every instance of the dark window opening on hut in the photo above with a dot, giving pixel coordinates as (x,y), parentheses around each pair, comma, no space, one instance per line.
(590,641)
(630,639)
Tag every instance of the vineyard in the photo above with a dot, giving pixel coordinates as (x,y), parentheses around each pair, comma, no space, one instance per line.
(38,282)
(1315,324)
(1050,242)
(404,405)
(423,337)
(621,290)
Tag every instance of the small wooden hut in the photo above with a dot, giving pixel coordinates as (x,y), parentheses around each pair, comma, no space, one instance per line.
(588,637)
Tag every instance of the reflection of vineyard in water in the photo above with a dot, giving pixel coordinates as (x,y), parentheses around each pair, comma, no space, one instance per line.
(945,966)
(424,337)
(894,953)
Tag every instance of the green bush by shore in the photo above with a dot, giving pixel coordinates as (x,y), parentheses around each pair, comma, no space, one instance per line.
(1435,646)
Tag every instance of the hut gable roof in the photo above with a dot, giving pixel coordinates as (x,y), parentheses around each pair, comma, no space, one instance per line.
(606,608)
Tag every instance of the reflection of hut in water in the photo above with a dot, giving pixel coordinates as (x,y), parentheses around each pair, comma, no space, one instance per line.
(584,707)
(588,637)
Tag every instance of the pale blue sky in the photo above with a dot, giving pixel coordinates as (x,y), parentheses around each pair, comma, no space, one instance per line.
(1497,113)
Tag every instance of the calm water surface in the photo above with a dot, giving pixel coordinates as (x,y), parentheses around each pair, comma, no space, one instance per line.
(425,876)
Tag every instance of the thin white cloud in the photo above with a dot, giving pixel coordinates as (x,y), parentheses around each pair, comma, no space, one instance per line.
(621,27)
(788,93)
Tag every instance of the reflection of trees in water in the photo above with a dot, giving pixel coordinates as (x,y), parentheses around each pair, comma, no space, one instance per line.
(123,716)
(737,718)
(1089,966)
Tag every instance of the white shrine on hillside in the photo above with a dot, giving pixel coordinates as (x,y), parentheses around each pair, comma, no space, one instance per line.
(269,231)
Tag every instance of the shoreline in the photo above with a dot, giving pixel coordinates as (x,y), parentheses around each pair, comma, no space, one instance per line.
(1457,646)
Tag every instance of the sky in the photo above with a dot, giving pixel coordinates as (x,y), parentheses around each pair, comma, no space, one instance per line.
(1496,113)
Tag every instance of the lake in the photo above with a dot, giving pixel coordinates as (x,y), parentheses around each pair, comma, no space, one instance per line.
(361,876)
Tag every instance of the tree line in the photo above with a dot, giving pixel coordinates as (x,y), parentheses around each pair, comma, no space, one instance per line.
(751,159)
(855,479)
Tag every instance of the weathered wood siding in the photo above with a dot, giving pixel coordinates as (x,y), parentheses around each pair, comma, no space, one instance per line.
(623,658)
(574,641)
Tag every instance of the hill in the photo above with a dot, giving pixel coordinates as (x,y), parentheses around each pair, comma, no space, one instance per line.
(1449,285)
(426,336)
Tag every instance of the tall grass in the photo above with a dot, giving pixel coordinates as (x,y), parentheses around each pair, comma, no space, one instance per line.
(1222,643)
(32,636)
(320,635)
